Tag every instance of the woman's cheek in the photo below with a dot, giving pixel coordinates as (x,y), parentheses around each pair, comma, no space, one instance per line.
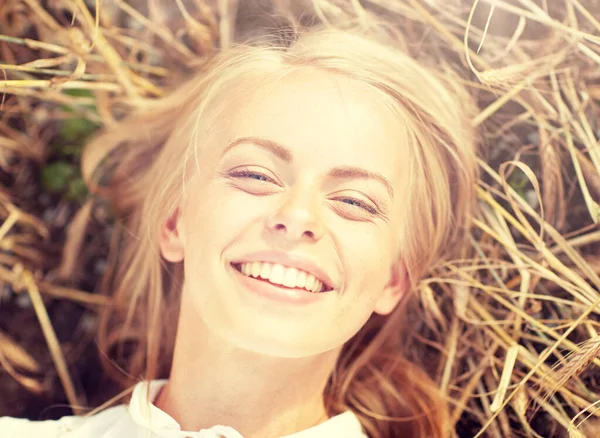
(246,206)
(236,211)
(362,251)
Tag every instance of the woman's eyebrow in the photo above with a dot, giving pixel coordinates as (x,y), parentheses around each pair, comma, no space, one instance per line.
(359,173)
(287,156)
(270,145)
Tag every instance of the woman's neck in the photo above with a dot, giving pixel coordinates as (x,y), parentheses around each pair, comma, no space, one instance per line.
(212,383)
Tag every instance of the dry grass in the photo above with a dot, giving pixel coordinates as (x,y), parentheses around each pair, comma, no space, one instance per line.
(516,325)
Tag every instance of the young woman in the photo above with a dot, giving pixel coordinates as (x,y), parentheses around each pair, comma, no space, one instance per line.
(280,206)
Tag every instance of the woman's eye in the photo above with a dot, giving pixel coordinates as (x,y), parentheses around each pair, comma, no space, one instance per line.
(359,204)
(251,175)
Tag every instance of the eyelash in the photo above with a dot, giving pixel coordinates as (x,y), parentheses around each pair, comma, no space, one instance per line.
(248,174)
(361,204)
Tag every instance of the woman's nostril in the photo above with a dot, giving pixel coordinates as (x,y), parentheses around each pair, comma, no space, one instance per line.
(280,227)
(294,231)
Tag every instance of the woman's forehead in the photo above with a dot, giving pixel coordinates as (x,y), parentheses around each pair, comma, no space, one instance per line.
(321,115)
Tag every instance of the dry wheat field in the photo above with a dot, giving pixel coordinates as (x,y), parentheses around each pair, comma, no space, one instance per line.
(510,331)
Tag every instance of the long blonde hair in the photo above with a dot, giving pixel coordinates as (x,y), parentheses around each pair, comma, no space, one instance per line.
(141,166)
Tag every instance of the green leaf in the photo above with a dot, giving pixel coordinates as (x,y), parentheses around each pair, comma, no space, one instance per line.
(519,182)
(56,176)
(69,150)
(76,129)
(78,92)
(77,190)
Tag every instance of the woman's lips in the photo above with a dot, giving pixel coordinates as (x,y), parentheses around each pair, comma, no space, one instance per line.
(281,275)
(303,262)
(278,293)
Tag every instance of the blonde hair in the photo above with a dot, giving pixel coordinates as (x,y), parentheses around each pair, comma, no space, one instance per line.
(142,164)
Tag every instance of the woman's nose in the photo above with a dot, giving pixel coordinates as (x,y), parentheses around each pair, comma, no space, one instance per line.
(298,217)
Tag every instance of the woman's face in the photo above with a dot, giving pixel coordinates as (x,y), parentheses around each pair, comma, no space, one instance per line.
(285,181)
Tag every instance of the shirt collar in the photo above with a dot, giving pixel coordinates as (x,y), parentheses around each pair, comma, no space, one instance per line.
(145,414)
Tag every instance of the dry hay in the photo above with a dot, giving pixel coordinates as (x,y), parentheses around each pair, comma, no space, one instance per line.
(514,328)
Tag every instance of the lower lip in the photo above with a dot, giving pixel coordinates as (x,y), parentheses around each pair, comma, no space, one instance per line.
(279,293)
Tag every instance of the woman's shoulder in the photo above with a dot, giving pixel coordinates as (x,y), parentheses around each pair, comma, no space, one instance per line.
(94,426)
(345,425)
(124,420)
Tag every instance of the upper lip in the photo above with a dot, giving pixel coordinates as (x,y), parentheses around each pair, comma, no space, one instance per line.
(289,260)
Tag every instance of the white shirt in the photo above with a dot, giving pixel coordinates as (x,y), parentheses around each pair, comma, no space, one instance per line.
(142,419)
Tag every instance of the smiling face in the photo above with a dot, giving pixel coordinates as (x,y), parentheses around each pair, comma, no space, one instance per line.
(305,172)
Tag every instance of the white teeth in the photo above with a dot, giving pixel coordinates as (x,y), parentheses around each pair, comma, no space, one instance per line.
(265,270)
(279,274)
(290,277)
(317,286)
(255,269)
(301,279)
